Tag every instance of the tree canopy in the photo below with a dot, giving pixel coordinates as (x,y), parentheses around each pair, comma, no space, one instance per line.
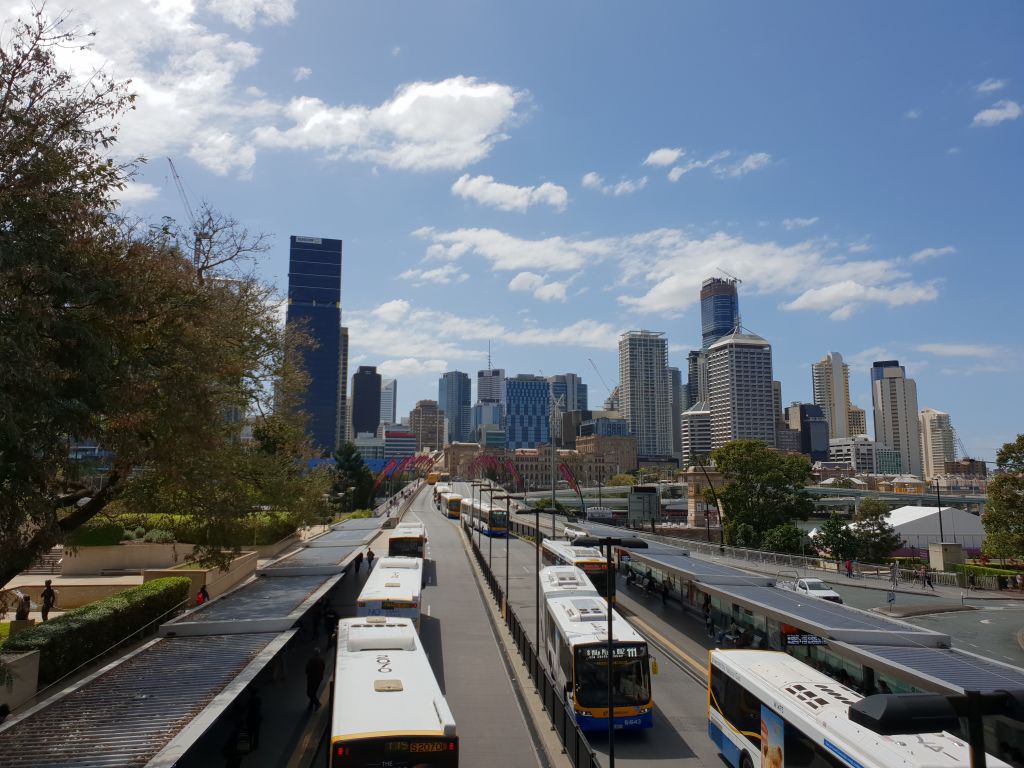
(876,538)
(762,488)
(120,335)
(1004,513)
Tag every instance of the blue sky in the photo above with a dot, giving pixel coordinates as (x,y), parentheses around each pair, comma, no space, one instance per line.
(548,175)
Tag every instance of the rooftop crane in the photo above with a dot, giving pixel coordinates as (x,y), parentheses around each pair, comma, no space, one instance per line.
(594,366)
(198,235)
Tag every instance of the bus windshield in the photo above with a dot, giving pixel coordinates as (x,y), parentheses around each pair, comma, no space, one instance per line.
(498,519)
(631,677)
(405,547)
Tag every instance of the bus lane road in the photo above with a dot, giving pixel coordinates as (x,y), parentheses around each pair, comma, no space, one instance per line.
(462,649)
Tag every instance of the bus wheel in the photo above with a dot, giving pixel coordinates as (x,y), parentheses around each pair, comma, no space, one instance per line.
(746,762)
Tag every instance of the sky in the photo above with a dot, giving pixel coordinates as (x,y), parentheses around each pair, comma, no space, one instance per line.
(544,176)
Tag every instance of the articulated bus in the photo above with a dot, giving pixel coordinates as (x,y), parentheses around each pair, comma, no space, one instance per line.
(388,708)
(767,709)
(439,489)
(477,516)
(393,589)
(587,559)
(451,505)
(408,539)
(574,632)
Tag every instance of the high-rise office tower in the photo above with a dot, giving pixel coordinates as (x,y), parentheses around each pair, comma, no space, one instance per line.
(938,442)
(645,394)
(678,405)
(527,411)
(490,385)
(858,421)
(344,420)
(453,397)
(388,401)
(719,309)
(695,433)
(426,421)
(365,401)
(696,376)
(830,383)
(897,425)
(570,394)
(314,304)
(809,420)
(740,389)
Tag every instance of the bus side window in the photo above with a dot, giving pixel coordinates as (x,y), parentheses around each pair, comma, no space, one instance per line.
(802,752)
(565,658)
(743,710)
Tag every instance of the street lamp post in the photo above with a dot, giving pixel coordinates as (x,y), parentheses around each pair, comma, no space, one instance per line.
(473,505)
(938,498)
(507,498)
(718,505)
(490,538)
(607,542)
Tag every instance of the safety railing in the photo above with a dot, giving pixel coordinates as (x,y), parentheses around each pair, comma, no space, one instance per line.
(575,744)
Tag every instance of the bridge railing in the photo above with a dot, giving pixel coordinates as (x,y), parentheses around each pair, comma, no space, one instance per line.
(575,744)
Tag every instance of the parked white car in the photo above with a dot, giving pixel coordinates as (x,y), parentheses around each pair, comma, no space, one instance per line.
(815,588)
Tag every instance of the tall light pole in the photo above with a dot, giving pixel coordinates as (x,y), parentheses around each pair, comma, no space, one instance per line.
(718,504)
(608,542)
(553,407)
(473,505)
(506,497)
(490,537)
(938,498)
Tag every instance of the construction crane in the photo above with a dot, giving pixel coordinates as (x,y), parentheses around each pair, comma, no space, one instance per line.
(594,366)
(197,234)
(730,276)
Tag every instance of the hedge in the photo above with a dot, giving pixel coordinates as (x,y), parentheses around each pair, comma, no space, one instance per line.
(96,533)
(73,638)
(984,570)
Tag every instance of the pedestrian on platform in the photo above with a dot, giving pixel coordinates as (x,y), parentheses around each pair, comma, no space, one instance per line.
(664,592)
(253,720)
(314,676)
(359,561)
(330,624)
(1020,585)
(49,598)
(849,568)
(369,559)
(894,574)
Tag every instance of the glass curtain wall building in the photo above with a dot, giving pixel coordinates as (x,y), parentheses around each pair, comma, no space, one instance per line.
(314,303)
(527,411)
(454,398)
(719,309)
(365,401)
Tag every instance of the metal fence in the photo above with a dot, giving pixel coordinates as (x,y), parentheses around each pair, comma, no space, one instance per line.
(574,743)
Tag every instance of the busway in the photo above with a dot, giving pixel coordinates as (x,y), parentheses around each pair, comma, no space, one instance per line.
(869,646)
(150,706)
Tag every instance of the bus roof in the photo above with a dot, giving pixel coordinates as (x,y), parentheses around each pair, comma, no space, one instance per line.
(450,496)
(580,613)
(811,696)
(394,578)
(407,529)
(377,696)
(572,552)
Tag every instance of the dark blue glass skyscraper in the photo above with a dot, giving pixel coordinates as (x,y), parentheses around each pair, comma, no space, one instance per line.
(453,397)
(719,309)
(527,410)
(314,300)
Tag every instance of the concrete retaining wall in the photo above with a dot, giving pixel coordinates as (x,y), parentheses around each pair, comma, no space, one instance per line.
(24,672)
(94,561)
(217,581)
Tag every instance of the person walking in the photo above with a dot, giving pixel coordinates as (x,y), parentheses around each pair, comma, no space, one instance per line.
(359,561)
(369,559)
(49,598)
(253,720)
(203,595)
(314,675)
(928,579)
(849,568)
(1020,583)
(894,574)
(330,624)
(664,592)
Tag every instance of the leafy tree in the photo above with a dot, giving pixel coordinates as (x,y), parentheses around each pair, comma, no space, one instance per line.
(742,535)
(843,482)
(876,538)
(837,539)
(545,503)
(115,334)
(622,479)
(1004,513)
(787,538)
(352,480)
(762,488)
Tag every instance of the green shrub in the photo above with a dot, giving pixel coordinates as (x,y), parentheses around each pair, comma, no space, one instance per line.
(75,637)
(96,533)
(140,532)
(360,513)
(983,570)
(158,536)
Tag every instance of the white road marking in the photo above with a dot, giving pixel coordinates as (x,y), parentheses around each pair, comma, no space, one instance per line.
(983,621)
(428,613)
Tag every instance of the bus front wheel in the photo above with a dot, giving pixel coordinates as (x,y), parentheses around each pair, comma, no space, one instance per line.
(746,762)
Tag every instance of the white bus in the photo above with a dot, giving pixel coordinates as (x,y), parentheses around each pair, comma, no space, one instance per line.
(481,516)
(388,709)
(393,589)
(408,539)
(587,559)
(451,505)
(574,647)
(767,709)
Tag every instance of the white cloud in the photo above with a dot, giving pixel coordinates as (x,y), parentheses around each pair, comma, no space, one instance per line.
(991,84)
(441,275)
(912,114)
(754,162)
(137,192)
(679,171)
(594,181)
(526,281)
(868,356)
(425,126)
(845,297)
(396,50)
(531,282)
(411,366)
(554,291)
(506,197)
(943,349)
(302,73)
(507,252)
(664,156)
(861,246)
(243,13)
(798,223)
(953,151)
(999,112)
(392,311)
(972,370)
(930,253)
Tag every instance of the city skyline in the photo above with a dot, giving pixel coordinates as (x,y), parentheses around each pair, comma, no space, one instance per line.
(550,203)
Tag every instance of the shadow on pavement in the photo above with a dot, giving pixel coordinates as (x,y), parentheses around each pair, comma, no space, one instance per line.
(430,636)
